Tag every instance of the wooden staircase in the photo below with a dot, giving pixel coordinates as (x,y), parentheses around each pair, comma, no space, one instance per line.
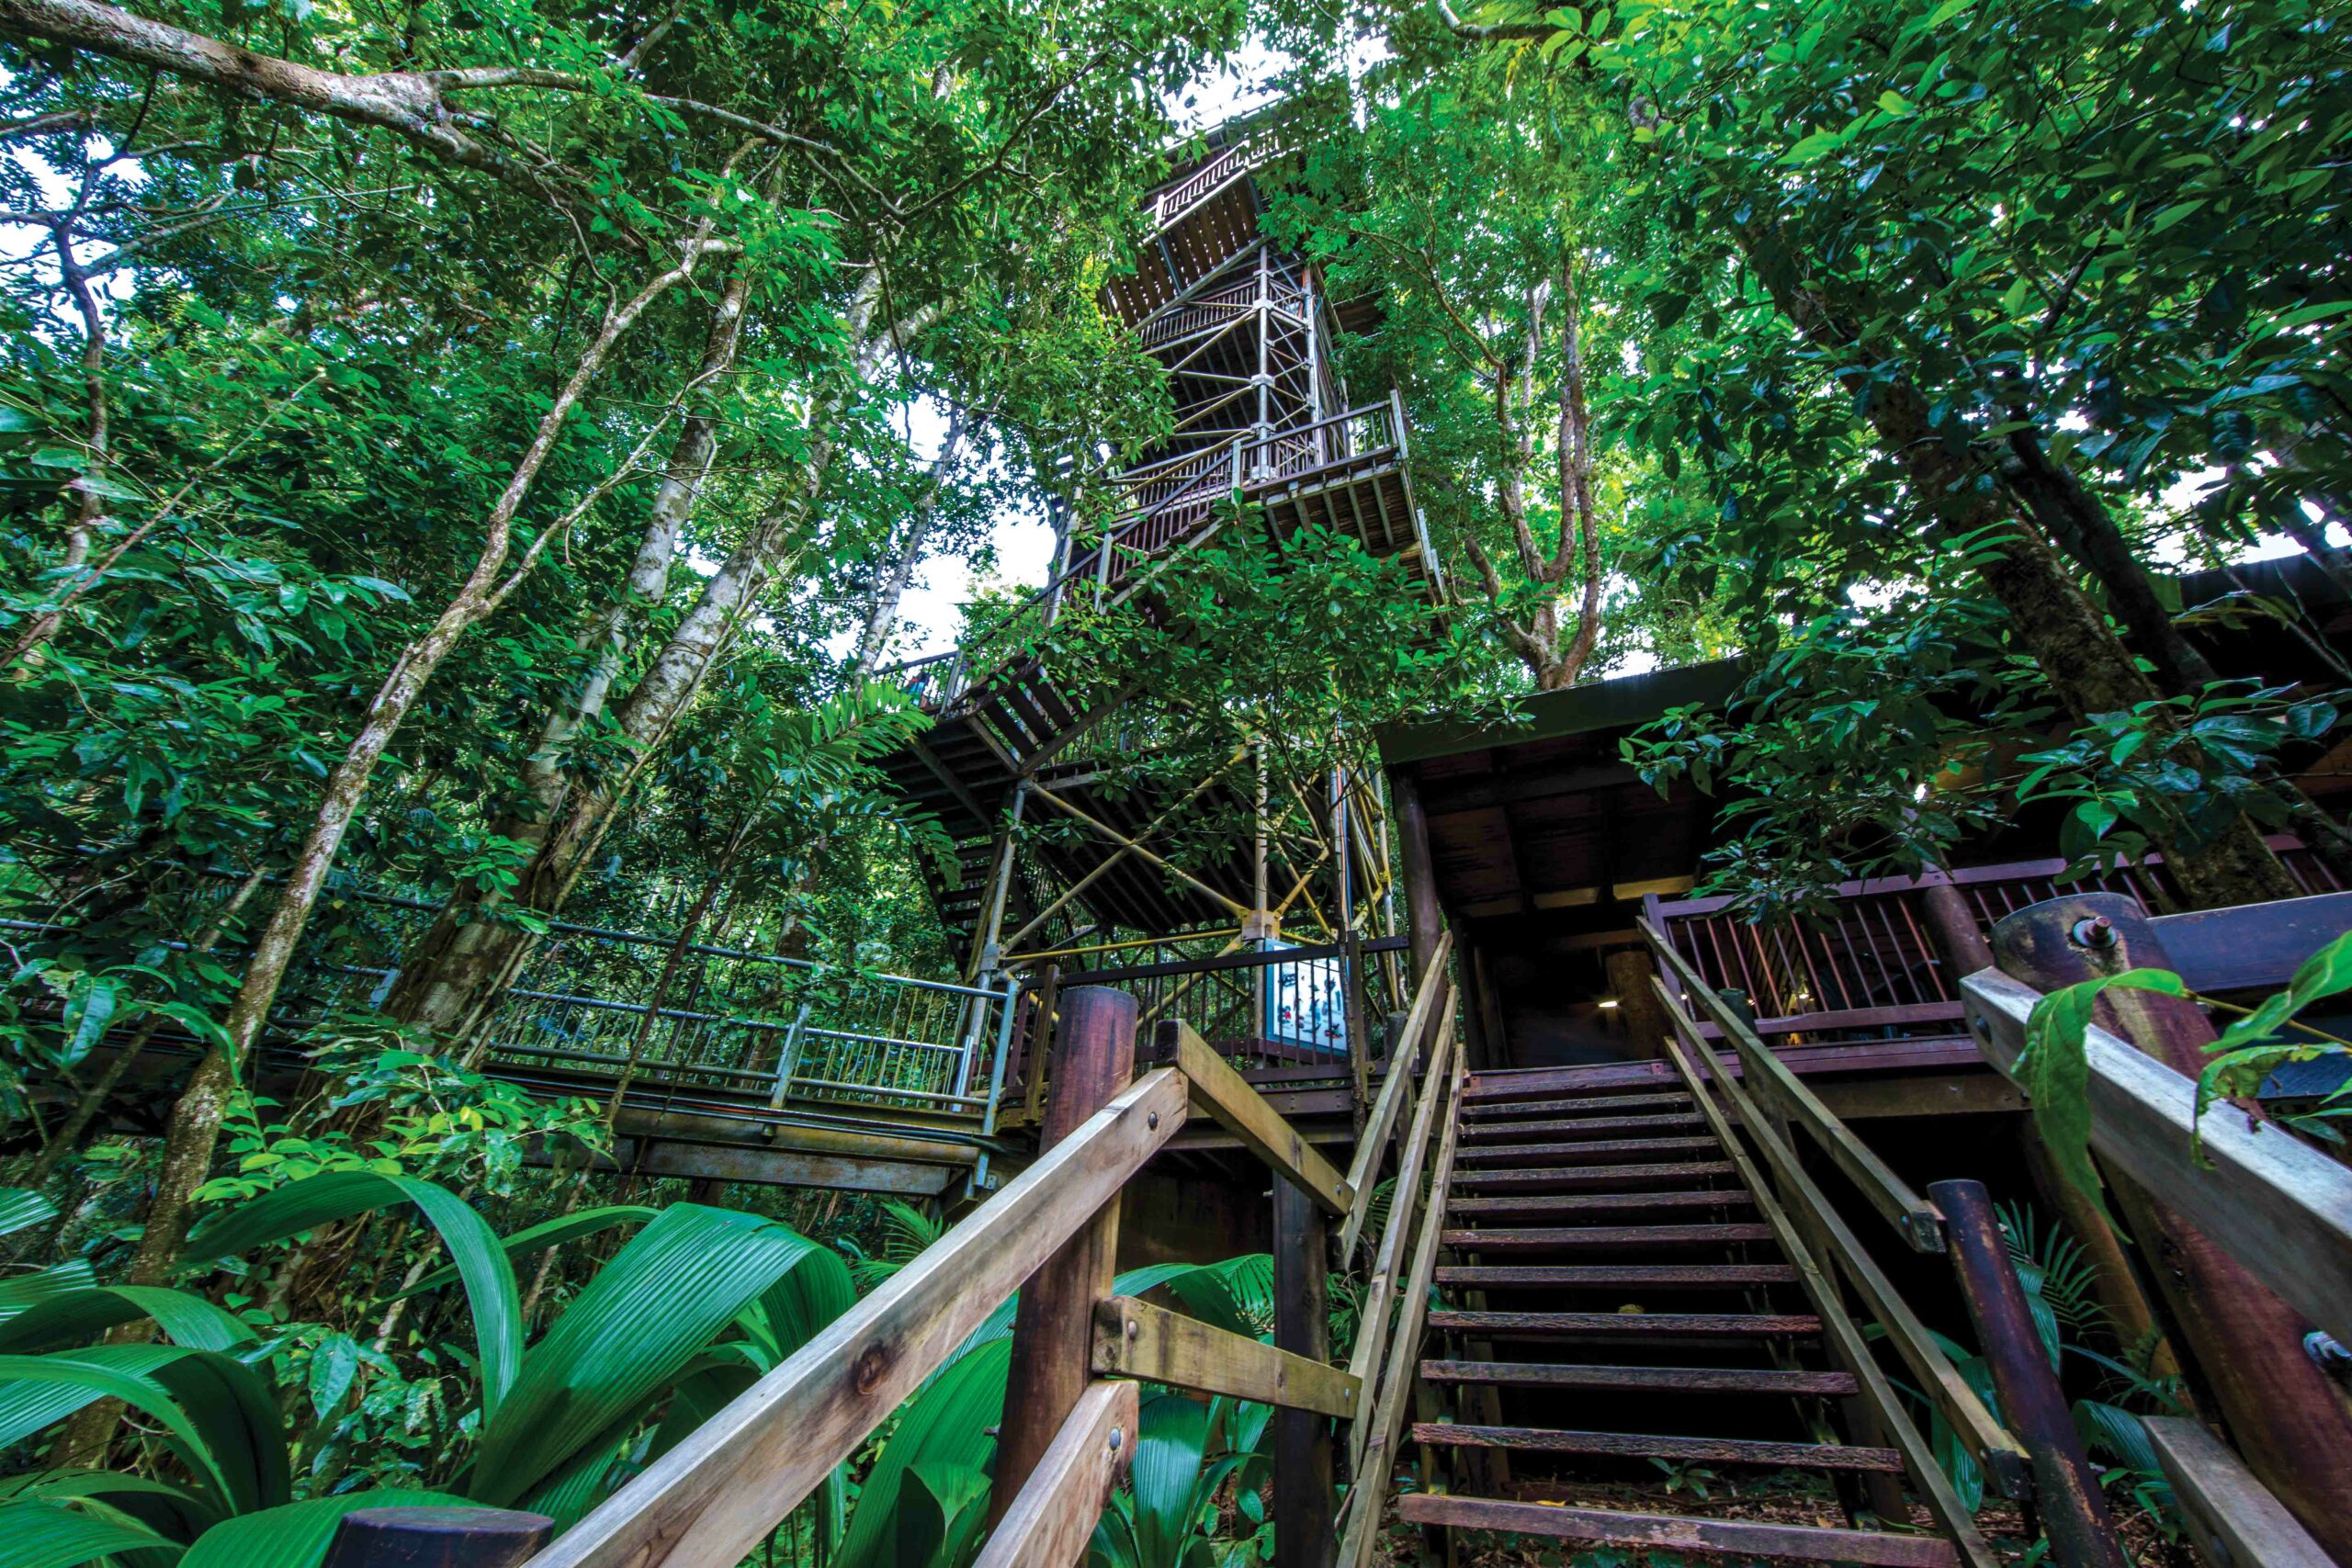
(1622,1309)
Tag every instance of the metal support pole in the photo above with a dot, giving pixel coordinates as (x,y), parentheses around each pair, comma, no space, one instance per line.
(988,954)
(2284,1414)
(1305,1512)
(787,1061)
(1053,1327)
(436,1538)
(2074,1513)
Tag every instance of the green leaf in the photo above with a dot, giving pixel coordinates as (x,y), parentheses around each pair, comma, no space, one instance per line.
(217,1414)
(297,1535)
(533,1239)
(51,1535)
(945,1425)
(2055,1069)
(636,1326)
(315,1201)
(21,1207)
(184,1319)
(28,1291)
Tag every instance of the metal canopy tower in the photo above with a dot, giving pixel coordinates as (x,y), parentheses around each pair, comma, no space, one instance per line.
(1243,331)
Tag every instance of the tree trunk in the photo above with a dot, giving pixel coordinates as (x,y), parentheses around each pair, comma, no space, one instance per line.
(454,974)
(882,614)
(2086,665)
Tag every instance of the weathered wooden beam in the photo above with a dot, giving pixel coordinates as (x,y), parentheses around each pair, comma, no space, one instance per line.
(709,1501)
(2233,1518)
(428,1537)
(1134,1339)
(1306,1474)
(2252,946)
(1380,1295)
(2278,1206)
(1236,1106)
(1913,1217)
(1049,1523)
(2066,1496)
(1361,1172)
(782,1168)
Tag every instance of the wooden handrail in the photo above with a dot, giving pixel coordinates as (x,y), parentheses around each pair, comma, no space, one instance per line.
(1236,1106)
(2279,1207)
(1380,1294)
(1919,1459)
(1914,1218)
(2232,1516)
(1360,1526)
(1990,1444)
(707,1502)
(1054,1515)
(1383,1120)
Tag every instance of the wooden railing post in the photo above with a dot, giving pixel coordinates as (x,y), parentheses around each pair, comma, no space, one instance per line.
(1305,1499)
(2074,1513)
(1053,1327)
(2292,1424)
(1961,947)
(436,1538)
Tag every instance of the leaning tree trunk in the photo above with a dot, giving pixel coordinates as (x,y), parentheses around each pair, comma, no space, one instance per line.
(2087,667)
(453,976)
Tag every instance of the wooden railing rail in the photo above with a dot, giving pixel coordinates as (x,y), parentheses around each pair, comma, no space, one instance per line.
(1999,1453)
(1225,1096)
(1395,1364)
(711,1500)
(1053,1517)
(1914,1218)
(1432,995)
(2252,1234)
(2278,1206)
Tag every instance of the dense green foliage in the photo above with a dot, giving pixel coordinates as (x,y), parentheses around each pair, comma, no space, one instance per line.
(488,477)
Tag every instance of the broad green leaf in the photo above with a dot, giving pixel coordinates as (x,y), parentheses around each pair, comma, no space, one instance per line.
(2054,1069)
(304,1205)
(946,1424)
(21,1207)
(51,1535)
(61,1319)
(26,1290)
(296,1534)
(215,1412)
(533,1239)
(668,1294)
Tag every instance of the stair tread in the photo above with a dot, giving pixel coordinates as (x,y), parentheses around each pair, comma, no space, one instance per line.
(1693,1276)
(1595,1105)
(1546,1238)
(1506,1324)
(1684,1532)
(1662,1379)
(1643,1445)
(1601,1203)
(1574,1126)
(1589,1176)
(1515,1153)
